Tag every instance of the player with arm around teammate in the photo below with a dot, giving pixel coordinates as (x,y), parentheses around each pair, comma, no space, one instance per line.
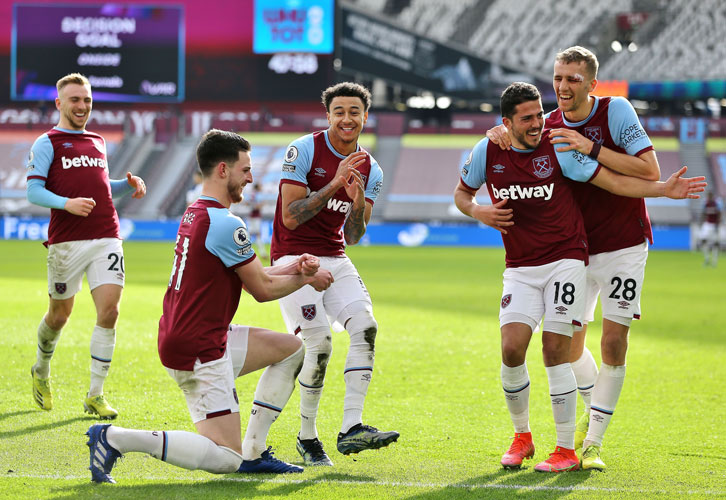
(199,347)
(618,231)
(328,187)
(67,171)
(546,251)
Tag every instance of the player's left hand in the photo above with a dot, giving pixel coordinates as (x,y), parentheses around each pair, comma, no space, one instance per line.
(137,183)
(571,139)
(321,280)
(678,187)
(355,186)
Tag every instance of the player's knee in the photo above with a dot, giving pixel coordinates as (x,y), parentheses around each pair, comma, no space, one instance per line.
(363,328)
(107,316)
(221,460)
(318,347)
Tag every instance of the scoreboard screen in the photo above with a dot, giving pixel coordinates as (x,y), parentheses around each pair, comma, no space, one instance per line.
(129,53)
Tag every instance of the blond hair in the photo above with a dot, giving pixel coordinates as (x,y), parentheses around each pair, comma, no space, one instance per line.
(577,54)
(76,78)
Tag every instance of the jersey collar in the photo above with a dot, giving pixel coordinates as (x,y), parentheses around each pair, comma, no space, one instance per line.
(69,131)
(582,122)
(332,149)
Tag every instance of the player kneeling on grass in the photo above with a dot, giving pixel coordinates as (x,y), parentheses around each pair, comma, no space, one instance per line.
(199,347)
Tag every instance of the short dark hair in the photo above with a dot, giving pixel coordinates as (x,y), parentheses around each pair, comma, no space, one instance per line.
(516,94)
(347,89)
(217,146)
(577,54)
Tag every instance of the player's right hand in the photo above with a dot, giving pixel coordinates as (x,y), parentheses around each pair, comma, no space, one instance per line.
(308,264)
(495,216)
(80,206)
(321,280)
(499,136)
(348,165)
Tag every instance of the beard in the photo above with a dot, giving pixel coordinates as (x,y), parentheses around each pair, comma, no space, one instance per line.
(235,192)
(528,141)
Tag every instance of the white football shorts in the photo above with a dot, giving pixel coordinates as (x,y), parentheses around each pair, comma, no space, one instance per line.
(209,389)
(102,260)
(617,277)
(554,291)
(308,308)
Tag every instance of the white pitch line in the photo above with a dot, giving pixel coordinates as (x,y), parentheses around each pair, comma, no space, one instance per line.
(484,486)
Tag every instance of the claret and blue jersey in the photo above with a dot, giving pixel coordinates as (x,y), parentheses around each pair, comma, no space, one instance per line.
(614,124)
(537,184)
(311,162)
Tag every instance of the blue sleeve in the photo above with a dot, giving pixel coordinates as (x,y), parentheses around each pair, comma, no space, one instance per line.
(474,170)
(37,168)
(120,187)
(228,238)
(576,165)
(298,160)
(38,195)
(40,158)
(375,181)
(625,127)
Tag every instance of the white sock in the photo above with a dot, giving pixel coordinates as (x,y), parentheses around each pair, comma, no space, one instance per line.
(604,398)
(103,341)
(563,395)
(273,391)
(515,382)
(318,347)
(358,372)
(183,449)
(47,339)
(585,370)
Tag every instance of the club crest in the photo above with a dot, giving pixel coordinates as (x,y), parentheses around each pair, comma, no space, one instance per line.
(308,311)
(542,167)
(60,288)
(594,134)
(506,300)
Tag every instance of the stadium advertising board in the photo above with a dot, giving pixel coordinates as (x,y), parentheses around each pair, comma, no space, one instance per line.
(380,49)
(130,53)
(293,26)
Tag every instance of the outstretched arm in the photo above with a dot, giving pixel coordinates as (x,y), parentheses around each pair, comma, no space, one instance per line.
(492,215)
(265,286)
(676,187)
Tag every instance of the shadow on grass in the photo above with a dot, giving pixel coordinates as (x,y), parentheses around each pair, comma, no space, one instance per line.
(231,486)
(21,431)
(507,484)
(11,414)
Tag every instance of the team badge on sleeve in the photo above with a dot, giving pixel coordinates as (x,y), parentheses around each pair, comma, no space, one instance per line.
(542,166)
(291,154)
(506,300)
(308,311)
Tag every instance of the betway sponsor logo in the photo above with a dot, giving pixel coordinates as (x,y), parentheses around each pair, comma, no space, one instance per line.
(517,192)
(339,206)
(83,161)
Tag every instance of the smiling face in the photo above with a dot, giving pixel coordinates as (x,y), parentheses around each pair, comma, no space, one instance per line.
(346,116)
(74,102)
(573,84)
(239,175)
(526,124)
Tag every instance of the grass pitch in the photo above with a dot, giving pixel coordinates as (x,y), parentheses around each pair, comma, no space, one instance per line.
(436,381)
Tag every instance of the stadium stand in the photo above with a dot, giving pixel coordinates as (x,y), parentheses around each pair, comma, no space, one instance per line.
(688,44)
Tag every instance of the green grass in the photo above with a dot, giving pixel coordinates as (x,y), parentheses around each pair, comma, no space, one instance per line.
(436,381)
